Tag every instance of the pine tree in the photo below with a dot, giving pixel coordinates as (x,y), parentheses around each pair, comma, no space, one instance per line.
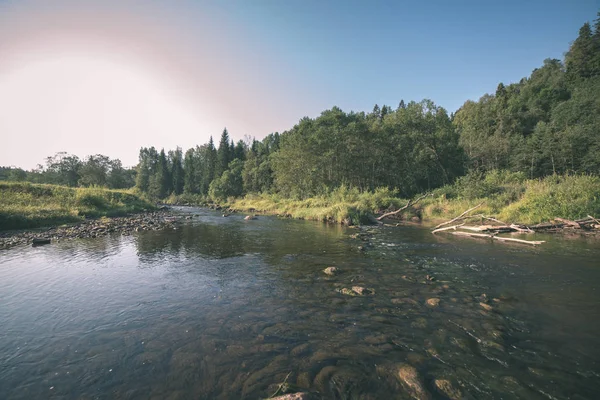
(177,173)
(239,152)
(160,182)
(376,111)
(223,154)
(579,58)
(190,184)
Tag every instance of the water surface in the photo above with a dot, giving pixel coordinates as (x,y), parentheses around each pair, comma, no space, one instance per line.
(225,308)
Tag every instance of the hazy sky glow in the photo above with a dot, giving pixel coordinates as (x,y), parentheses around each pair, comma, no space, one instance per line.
(108,77)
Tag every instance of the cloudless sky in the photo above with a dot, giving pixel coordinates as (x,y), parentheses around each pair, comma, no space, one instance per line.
(108,77)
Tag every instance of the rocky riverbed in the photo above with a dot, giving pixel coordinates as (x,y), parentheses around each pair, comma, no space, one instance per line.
(150,221)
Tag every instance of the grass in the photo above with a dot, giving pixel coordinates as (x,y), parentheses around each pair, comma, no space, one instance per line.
(28,205)
(344,205)
(507,196)
(512,198)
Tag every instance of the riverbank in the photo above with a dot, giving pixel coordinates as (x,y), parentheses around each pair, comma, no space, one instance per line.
(26,205)
(507,196)
(147,221)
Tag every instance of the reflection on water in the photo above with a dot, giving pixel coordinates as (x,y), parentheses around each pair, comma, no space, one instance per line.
(226,308)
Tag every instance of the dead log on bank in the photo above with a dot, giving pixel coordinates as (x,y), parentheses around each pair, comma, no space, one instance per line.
(410,203)
(494,237)
(459,217)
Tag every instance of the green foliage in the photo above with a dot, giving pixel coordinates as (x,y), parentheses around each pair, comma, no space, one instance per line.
(230,184)
(570,197)
(27,205)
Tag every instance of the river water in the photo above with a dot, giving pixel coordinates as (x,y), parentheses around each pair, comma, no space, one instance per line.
(225,308)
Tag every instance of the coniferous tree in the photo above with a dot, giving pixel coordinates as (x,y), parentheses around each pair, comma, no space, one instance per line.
(190,183)
(160,182)
(223,154)
(177,173)
(579,59)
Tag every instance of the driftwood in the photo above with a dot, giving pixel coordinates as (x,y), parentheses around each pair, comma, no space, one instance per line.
(521,229)
(569,223)
(447,228)
(593,219)
(459,217)
(410,203)
(494,237)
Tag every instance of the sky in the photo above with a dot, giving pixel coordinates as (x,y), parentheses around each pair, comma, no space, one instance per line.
(108,77)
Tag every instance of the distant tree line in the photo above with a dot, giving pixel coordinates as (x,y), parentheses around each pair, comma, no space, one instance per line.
(548,123)
(68,170)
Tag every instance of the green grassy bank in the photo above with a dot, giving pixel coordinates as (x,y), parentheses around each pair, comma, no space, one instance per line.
(507,196)
(27,205)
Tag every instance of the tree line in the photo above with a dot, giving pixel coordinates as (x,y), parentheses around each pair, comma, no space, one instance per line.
(69,170)
(547,123)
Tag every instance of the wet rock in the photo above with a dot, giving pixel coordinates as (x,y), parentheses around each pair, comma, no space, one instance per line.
(446,388)
(486,307)
(331,271)
(412,382)
(249,217)
(40,241)
(433,302)
(362,291)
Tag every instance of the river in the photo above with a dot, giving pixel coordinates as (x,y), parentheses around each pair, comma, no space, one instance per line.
(225,308)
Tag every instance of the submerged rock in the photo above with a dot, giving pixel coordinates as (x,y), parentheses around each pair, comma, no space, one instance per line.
(446,388)
(486,307)
(347,292)
(362,291)
(330,271)
(433,302)
(412,382)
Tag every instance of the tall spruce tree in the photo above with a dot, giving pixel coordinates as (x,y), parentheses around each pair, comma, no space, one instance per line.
(177,173)
(223,154)
(160,182)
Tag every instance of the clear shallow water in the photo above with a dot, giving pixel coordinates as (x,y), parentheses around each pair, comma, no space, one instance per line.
(226,308)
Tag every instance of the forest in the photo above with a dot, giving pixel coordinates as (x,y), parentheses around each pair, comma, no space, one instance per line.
(546,124)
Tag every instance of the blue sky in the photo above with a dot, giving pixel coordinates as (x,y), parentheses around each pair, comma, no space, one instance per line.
(358,53)
(111,76)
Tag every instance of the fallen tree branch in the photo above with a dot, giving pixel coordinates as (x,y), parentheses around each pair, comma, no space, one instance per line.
(447,228)
(494,237)
(593,219)
(573,224)
(459,217)
(520,229)
(410,203)
(495,220)
(489,228)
